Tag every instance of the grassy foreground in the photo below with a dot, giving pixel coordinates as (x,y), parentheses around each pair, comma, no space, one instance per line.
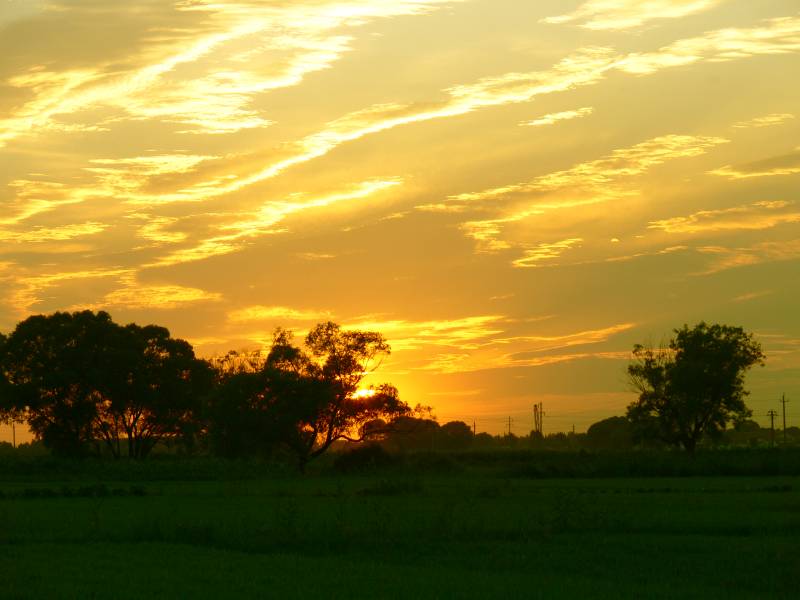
(395,534)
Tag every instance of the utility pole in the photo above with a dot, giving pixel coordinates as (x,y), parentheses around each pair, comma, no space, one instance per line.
(783,402)
(474,422)
(538,414)
(509,427)
(772,414)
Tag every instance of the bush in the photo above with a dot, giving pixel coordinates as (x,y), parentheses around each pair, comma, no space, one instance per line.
(366,458)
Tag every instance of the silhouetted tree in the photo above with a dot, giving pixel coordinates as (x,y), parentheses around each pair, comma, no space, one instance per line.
(54,364)
(152,391)
(613,433)
(455,435)
(79,378)
(694,386)
(304,400)
(407,432)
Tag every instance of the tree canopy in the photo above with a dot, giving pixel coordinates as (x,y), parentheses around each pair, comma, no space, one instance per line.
(694,386)
(79,379)
(303,399)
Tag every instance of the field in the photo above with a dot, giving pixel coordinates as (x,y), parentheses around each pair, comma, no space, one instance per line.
(132,531)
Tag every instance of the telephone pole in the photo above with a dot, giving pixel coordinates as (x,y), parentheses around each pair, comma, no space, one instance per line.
(783,402)
(509,427)
(474,423)
(538,415)
(772,414)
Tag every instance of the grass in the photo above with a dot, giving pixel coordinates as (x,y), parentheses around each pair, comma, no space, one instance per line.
(396,533)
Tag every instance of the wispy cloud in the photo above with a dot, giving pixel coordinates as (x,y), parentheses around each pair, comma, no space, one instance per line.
(545,252)
(275,313)
(593,182)
(753,295)
(724,258)
(787,164)
(26,291)
(239,50)
(559,116)
(136,295)
(775,36)
(49,234)
(232,235)
(526,351)
(759,215)
(627,14)
(765,121)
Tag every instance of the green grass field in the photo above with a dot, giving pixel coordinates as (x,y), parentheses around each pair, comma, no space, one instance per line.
(395,534)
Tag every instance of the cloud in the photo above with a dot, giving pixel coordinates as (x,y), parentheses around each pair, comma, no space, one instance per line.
(626,14)
(526,351)
(765,121)
(545,252)
(724,258)
(759,215)
(233,235)
(753,295)
(26,290)
(49,234)
(787,164)
(315,255)
(464,333)
(776,36)
(598,181)
(621,163)
(135,295)
(559,116)
(275,313)
(203,77)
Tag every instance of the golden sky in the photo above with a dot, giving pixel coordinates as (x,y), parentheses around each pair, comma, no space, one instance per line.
(513,193)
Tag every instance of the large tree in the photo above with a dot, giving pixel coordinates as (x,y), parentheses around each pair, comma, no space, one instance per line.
(694,386)
(152,391)
(80,380)
(304,399)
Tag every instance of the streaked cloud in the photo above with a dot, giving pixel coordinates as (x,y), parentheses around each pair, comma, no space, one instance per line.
(775,36)
(626,14)
(786,164)
(765,121)
(241,49)
(135,295)
(759,215)
(724,258)
(593,182)
(231,236)
(753,295)
(527,351)
(275,313)
(464,333)
(49,234)
(27,290)
(559,116)
(545,252)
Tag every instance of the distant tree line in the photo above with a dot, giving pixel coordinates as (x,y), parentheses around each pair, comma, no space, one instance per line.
(88,386)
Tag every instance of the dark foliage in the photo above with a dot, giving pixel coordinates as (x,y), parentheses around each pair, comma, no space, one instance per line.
(695,386)
(80,380)
(365,458)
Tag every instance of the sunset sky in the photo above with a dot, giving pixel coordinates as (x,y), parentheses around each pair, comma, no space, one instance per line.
(512,192)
